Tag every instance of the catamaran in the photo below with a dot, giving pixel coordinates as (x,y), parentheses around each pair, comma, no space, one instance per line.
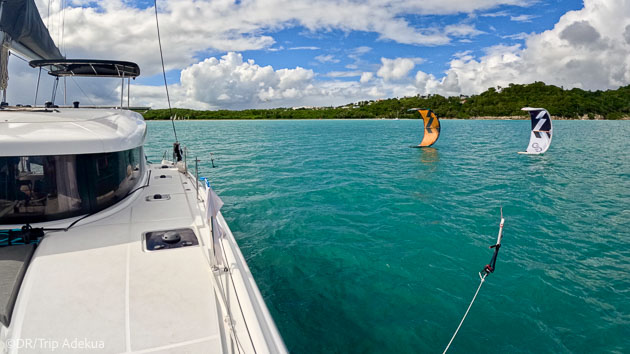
(101,250)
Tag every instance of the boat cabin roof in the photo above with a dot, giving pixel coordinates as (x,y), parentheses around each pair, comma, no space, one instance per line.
(88,67)
(68,131)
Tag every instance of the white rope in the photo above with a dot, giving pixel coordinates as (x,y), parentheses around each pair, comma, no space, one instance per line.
(466,314)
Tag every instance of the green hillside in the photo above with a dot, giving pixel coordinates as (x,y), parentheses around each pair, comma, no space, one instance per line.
(494,102)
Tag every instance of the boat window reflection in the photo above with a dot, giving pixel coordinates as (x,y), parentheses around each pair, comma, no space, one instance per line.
(45,188)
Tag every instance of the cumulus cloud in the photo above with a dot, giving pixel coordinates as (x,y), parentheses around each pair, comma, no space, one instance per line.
(580,33)
(588,49)
(230,81)
(395,69)
(365,77)
(235,83)
(191,28)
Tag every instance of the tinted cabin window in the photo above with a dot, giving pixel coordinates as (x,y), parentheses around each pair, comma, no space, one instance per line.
(44,188)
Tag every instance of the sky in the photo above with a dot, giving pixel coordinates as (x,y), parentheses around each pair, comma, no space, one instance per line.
(240,54)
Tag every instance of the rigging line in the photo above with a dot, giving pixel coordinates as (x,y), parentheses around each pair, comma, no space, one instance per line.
(48,16)
(54,92)
(59,20)
(235,293)
(168,98)
(63,26)
(19,57)
(218,280)
(222,294)
(466,314)
(37,88)
(84,94)
(115,87)
(58,29)
(25,60)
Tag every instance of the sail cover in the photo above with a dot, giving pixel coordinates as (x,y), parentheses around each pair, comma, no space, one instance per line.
(542,131)
(431,127)
(20,20)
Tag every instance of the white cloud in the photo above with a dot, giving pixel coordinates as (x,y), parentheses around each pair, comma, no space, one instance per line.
(365,77)
(344,74)
(355,55)
(523,18)
(229,81)
(517,36)
(117,29)
(462,30)
(395,69)
(358,51)
(496,14)
(588,49)
(465,55)
(327,58)
(581,33)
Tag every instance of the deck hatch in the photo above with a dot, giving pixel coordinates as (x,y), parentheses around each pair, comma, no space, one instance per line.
(158,197)
(169,239)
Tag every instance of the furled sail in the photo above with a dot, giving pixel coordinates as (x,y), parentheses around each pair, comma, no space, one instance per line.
(431,127)
(542,131)
(23,30)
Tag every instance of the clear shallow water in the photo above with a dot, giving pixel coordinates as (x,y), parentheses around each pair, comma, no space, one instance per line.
(360,244)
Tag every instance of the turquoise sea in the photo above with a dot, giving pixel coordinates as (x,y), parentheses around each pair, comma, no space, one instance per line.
(360,244)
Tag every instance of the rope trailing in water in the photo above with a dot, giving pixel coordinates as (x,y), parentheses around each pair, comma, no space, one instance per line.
(489,268)
(168,98)
(466,314)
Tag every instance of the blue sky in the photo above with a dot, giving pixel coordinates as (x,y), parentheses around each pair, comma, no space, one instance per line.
(236,54)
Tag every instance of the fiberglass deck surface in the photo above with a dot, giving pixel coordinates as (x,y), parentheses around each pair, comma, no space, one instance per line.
(109,290)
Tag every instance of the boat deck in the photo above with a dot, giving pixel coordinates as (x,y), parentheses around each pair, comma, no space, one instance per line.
(97,285)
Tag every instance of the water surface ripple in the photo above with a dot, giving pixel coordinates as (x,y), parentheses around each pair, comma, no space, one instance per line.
(359,243)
